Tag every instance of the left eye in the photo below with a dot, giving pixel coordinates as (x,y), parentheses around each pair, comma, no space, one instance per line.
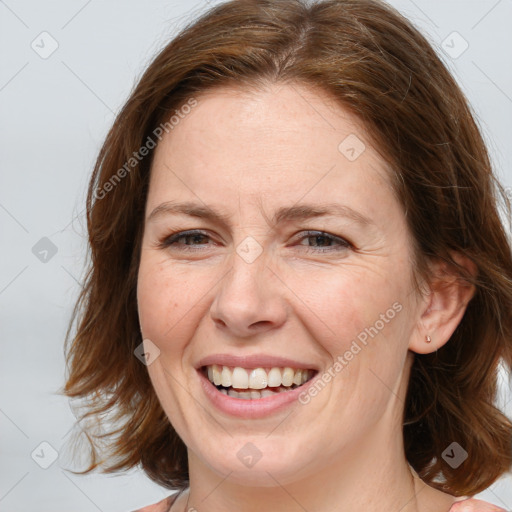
(325,241)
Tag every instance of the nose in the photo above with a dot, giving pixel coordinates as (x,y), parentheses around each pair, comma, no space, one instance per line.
(249,299)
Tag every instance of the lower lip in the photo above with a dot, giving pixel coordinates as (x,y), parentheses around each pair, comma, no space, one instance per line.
(254,408)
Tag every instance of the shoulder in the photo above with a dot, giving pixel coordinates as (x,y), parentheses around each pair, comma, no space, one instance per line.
(466,505)
(472,505)
(161,506)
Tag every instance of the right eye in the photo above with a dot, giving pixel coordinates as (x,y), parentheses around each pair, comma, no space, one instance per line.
(185,240)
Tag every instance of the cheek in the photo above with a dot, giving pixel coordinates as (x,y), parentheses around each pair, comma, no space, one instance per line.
(153,303)
(173,300)
(163,299)
(351,303)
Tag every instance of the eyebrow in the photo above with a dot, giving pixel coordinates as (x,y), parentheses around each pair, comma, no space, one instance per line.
(307,211)
(283,214)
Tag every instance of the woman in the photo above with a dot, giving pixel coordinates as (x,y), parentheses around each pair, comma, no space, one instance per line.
(294,227)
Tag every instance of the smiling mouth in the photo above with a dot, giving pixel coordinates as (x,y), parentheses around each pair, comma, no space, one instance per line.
(255,383)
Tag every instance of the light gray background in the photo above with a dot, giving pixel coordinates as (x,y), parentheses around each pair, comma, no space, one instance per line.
(54,114)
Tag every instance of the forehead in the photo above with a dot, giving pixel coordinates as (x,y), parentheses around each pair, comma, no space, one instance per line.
(277,144)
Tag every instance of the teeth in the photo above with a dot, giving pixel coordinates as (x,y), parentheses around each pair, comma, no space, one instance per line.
(274,378)
(239,378)
(226,377)
(217,379)
(288,374)
(252,395)
(256,379)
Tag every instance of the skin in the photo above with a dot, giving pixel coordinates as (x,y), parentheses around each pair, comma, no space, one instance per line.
(246,154)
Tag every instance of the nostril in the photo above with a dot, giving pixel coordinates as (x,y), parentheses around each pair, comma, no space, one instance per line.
(261,323)
(219,322)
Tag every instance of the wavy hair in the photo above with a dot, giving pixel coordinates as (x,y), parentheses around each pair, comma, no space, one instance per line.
(379,67)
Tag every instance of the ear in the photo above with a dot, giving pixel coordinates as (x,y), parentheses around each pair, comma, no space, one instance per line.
(443,306)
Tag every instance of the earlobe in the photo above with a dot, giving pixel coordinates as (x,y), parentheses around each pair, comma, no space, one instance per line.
(444,305)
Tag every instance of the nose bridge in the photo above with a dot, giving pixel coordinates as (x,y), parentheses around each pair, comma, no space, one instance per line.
(247,300)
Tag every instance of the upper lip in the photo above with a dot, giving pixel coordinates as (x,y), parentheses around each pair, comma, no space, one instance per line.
(253,361)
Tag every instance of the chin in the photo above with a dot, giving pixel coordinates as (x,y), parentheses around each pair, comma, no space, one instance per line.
(258,463)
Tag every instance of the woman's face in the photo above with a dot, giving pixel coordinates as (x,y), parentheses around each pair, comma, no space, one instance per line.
(299,258)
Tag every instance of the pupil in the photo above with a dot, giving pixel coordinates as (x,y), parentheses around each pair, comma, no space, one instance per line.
(319,239)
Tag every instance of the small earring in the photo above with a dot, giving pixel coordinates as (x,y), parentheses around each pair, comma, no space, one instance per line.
(428,339)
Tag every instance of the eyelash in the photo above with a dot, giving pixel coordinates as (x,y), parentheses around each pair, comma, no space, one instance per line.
(343,244)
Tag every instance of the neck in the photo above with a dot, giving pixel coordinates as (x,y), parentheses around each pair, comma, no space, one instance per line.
(369,475)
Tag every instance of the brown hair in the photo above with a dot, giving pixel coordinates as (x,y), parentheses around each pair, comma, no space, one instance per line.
(380,68)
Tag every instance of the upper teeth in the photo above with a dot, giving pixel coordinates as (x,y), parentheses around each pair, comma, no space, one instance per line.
(256,378)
